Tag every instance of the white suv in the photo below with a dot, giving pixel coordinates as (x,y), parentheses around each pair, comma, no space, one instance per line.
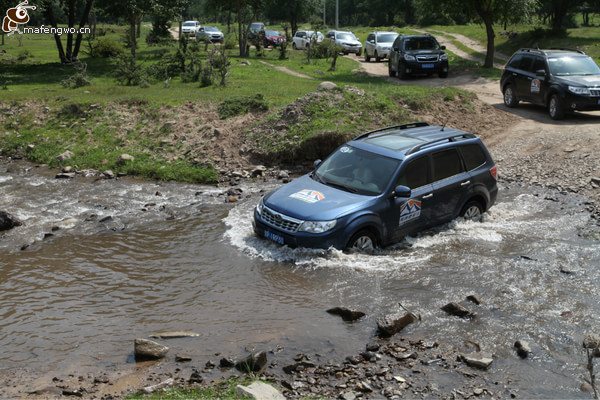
(378,45)
(347,40)
(190,28)
(302,39)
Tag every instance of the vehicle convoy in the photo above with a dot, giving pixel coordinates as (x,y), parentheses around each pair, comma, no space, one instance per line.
(558,79)
(381,186)
(417,55)
(378,45)
(346,40)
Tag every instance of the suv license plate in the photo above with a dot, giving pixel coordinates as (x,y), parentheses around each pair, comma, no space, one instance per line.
(427,65)
(274,237)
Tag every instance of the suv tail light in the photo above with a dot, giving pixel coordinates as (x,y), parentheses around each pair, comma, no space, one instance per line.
(494,172)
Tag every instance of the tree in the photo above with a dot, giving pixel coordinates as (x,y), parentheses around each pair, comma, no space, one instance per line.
(558,10)
(292,11)
(487,12)
(69,52)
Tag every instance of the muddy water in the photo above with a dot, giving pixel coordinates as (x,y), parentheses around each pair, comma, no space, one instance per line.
(127,259)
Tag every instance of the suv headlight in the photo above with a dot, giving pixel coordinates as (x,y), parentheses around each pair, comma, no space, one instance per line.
(444,57)
(260,206)
(579,90)
(408,57)
(317,226)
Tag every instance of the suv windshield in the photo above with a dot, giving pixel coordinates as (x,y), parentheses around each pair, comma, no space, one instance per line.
(356,171)
(346,36)
(211,29)
(386,37)
(420,43)
(573,65)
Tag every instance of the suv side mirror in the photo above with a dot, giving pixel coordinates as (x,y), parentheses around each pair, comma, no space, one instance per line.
(443,47)
(372,41)
(402,191)
(317,163)
(540,73)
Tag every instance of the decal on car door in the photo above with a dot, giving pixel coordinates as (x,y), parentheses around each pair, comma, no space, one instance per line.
(535,86)
(409,211)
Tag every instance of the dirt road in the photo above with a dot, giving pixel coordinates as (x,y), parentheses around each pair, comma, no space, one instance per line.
(532,148)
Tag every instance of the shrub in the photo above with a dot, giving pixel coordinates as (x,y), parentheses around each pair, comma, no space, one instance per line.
(242,105)
(105,47)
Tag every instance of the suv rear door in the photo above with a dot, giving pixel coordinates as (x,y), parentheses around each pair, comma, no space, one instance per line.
(451,185)
(527,84)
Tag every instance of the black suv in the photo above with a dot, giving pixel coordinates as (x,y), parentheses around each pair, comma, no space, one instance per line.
(381,186)
(559,79)
(417,55)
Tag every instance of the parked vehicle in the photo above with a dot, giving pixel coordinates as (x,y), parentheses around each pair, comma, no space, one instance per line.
(560,80)
(378,45)
(417,55)
(380,187)
(273,38)
(255,29)
(211,33)
(190,28)
(346,40)
(303,39)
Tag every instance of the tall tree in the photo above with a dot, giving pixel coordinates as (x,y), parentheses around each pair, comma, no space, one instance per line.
(69,52)
(558,10)
(292,11)
(487,12)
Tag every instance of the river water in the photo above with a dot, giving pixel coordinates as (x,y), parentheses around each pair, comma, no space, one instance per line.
(99,263)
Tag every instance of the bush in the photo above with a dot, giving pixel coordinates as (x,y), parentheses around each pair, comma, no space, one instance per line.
(106,47)
(242,105)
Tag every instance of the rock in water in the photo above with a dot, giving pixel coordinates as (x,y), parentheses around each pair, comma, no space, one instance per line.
(148,350)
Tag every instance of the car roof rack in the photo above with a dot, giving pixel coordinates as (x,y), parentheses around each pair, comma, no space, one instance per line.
(543,51)
(450,137)
(403,126)
(567,49)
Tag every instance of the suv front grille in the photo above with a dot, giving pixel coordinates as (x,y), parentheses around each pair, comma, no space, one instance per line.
(427,58)
(280,221)
(595,92)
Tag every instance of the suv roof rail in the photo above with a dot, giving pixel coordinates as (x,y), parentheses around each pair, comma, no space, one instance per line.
(543,51)
(403,126)
(567,49)
(450,137)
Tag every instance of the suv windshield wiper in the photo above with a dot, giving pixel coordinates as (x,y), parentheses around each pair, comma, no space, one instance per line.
(340,186)
(316,177)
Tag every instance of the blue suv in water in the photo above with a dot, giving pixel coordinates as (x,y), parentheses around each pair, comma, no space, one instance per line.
(380,187)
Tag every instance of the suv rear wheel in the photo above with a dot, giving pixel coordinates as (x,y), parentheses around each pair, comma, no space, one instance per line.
(510,100)
(472,211)
(401,72)
(367,56)
(361,242)
(556,108)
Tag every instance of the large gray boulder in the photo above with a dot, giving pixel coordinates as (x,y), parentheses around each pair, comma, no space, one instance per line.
(145,349)
(259,391)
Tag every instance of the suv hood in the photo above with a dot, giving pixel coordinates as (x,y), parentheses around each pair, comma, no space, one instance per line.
(307,199)
(580,80)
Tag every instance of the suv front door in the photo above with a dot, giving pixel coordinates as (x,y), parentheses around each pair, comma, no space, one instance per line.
(451,185)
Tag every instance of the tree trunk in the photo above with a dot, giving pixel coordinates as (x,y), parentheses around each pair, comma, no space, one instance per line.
(132,39)
(489,57)
(59,46)
(138,33)
(71,23)
(84,17)
(94,24)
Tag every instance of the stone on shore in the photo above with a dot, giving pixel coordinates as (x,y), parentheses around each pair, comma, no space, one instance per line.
(145,349)
(7,221)
(458,310)
(523,348)
(259,391)
(389,325)
(255,362)
(346,314)
(478,360)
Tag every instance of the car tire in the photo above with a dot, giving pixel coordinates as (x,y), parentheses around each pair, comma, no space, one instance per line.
(377,58)
(359,53)
(401,72)
(510,98)
(391,72)
(556,108)
(367,56)
(294,46)
(362,242)
(472,211)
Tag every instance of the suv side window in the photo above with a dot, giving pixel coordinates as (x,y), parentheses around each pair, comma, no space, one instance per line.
(397,42)
(473,156)
(539,64)
(446,164)
(415,174)
(515,61)
(370,37)
(527,63)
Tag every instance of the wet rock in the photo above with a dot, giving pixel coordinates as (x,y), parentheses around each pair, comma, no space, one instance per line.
(458,310)
(255,362)
(195,377)
(145,349)
(522,348)
(474,299)
(478,360)
(372,346)
(259,170)
(354,360)
(389,325)
(347,396)
(364,387)
(174,334)
(182,358)
(346,314)
(65,175)
(299,366)
(7,221)
(48,392)
(283,175)
(161,385)
(259,390)
(108,174)
(67,155)
(226,363)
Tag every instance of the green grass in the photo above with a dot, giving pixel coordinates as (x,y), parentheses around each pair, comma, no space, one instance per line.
(224,390)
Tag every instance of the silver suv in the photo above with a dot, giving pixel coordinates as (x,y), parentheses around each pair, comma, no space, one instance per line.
(347,41)
(378,45)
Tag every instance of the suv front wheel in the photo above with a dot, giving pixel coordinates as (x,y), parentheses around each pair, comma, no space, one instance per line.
(556,108)
(361,242)
(391,72)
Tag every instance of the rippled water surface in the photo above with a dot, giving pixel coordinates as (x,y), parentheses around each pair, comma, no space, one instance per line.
(129,258)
